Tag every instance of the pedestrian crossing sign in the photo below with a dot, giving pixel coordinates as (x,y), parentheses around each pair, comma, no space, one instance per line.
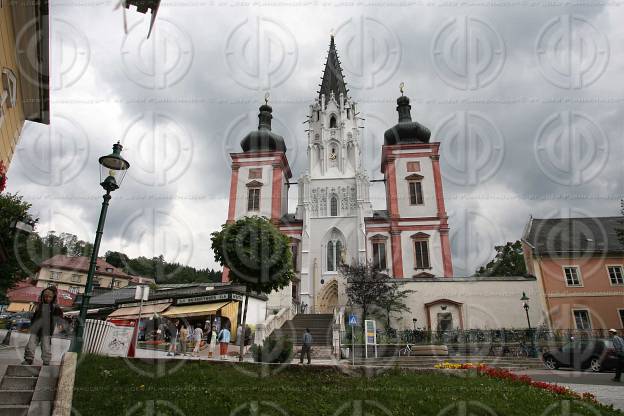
(352,320)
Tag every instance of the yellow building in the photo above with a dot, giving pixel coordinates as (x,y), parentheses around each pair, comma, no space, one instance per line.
(24,82)
(70,274)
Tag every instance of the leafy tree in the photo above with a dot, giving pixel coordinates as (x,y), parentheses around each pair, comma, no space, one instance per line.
(393,300)
(508,261)
(16,243)
(257,255)
(366,286)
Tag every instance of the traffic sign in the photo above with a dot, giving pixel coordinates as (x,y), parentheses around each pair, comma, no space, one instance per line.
(352,320)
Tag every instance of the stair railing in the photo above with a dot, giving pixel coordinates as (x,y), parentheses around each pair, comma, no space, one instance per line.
(273,322)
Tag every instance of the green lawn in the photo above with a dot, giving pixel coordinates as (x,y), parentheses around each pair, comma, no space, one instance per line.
(111,386)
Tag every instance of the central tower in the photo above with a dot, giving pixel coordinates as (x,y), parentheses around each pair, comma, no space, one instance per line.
(333,192)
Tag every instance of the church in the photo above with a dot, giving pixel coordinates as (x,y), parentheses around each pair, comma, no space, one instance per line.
(334,220)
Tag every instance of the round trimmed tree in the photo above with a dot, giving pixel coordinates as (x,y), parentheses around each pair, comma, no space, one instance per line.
(257,255)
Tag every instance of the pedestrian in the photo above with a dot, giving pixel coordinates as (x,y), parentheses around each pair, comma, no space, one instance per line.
(184,335)
(618,345)
(198,334)
(224,341)
(211,340)
(173,334)
(42,326)
(306,347)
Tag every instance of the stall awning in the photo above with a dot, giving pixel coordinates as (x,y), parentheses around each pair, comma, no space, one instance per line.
(19,307)
(132,312)
(194,310)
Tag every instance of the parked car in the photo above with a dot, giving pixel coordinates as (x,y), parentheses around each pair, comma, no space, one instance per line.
(594,354)
(21,321)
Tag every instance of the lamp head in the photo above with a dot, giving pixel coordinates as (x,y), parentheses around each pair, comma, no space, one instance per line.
(113,169)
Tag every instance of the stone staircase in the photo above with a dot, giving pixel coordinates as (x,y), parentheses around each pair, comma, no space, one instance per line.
(27,390)
(320,326)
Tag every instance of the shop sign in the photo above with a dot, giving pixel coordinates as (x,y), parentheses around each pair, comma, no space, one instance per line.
(210,298)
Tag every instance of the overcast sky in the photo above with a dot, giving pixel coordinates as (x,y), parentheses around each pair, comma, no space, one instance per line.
(526,100)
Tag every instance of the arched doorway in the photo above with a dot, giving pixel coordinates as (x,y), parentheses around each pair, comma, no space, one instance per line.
(328,298)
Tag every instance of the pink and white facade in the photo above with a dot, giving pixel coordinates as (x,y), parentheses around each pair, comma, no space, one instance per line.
(334,220)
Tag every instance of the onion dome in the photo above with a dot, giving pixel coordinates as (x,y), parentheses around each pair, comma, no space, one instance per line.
(406,131)
(263,139)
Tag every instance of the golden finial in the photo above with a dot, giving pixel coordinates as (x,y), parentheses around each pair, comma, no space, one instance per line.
(401,87)
(266,98)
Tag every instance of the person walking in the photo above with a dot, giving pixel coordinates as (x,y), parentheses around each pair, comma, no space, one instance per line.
(42,327)
(306,347)
(618,344)
(198,335)
(224,341)
(173,340)
(184,338)
(211,340)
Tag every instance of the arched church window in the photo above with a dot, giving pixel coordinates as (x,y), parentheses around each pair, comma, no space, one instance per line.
(332,122)
(333,206)
(334,255)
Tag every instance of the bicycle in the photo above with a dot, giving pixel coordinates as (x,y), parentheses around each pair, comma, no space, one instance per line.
(407,350)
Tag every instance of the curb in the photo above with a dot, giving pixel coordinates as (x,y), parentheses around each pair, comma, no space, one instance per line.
(65,385)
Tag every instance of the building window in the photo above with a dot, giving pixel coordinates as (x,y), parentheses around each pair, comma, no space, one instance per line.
(333,206)
(294,251)
(421,248)
(96,281)
(9,82)
(616,275)
(379,255)
(413,166)
(572,276)
(109,269)
(332,122)
(55,276)
(253,199)
(415,193)
(75,278)
(621,312)
(255,173)
(334,255)
(117,283)
(581,319)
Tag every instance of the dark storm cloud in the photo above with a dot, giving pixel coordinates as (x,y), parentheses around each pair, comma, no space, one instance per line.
(180,113)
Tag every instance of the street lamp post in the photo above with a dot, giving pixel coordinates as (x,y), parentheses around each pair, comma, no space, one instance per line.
(113,168)
(525,305)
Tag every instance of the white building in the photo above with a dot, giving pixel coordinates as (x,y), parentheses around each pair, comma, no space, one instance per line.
(334,220)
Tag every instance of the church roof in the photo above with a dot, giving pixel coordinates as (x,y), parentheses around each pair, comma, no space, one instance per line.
(333,80)
(406,130)
(263,139)
(575,236)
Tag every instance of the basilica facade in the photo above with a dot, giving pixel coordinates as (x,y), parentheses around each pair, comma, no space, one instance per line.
(334,221)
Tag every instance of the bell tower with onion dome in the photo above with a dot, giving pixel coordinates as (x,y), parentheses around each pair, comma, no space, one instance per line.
(260,174)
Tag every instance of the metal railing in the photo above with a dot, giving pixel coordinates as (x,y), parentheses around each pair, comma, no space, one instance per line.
(477,336)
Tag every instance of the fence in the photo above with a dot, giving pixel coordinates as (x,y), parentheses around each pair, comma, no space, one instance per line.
(106,338)
(476,336)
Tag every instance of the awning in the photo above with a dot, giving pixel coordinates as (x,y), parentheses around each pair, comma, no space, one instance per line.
(132,312)
(194,310)
(19,307)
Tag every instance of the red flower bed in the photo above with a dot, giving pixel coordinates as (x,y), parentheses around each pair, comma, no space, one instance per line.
(502,374)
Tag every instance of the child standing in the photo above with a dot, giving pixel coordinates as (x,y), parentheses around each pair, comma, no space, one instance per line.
(42,327)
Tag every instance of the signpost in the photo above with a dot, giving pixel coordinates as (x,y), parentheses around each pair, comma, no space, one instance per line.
(142,294)
(353,324)
(370,335)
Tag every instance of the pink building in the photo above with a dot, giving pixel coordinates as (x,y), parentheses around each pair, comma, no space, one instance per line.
(579,265)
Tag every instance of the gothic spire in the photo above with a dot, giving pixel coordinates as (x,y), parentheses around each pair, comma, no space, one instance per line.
(333,80)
